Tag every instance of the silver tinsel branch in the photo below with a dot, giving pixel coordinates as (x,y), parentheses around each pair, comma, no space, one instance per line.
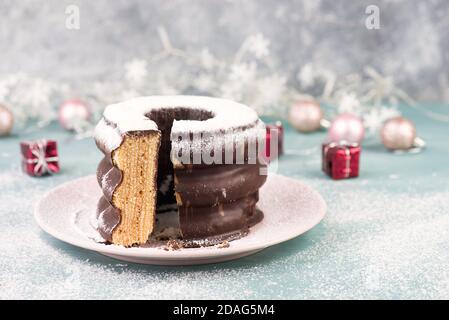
(250,76)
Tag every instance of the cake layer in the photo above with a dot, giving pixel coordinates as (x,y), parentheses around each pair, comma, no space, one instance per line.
(135,196)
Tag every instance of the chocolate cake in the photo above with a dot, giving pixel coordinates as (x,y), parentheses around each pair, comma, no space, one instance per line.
(198,154)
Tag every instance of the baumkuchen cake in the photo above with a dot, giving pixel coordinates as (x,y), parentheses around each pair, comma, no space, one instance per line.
(198,154)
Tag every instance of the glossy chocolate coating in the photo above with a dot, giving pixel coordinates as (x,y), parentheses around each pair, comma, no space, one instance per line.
(217,199)
(222,218)
(110,217)
(109,178)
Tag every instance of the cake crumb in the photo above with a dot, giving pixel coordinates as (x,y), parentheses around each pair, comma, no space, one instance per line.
(168,233)
(173,245)
(224,244)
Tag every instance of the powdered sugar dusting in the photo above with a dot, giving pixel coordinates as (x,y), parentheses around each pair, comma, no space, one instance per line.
(104,224)
(130,116)
(86,223)
(372,244)
(108,136)
(229,140)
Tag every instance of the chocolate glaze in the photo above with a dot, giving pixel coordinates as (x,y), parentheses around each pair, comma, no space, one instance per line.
(202,222)
(108,218)
(255,218)
(217,202)
(215,184)
(109,178)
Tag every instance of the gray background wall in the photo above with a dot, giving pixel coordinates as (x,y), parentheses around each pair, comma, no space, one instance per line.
(412,43)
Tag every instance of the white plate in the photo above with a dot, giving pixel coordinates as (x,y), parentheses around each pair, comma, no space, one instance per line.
(290,208)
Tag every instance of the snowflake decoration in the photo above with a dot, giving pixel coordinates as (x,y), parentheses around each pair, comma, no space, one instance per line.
(4,91)
(379,89)
(258,45)
(249,76)
(30,98)
(306,76)
(136,72)
(243,72)
(349,103)
(269,91)
(309,76)
(207,60)
(204,82)
(375,117)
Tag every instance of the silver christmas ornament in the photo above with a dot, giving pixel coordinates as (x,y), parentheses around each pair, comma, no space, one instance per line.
(400,134)
(6,121)
(306,116)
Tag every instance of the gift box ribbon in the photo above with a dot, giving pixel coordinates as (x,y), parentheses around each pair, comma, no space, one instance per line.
(41,161)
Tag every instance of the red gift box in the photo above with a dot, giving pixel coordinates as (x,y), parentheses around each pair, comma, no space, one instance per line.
(341,160)
(39,157)
(274,132)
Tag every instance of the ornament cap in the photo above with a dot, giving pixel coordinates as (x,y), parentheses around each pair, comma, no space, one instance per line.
(325,124)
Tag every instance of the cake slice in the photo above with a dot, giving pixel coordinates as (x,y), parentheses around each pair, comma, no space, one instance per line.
(135,197)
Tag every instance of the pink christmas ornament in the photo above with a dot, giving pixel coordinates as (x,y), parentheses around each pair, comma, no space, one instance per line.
(305,116)
(73,113)
(6,121)
(346,127)
(398,134)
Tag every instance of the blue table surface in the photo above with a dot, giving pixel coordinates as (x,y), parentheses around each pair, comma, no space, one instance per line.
(385,234)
